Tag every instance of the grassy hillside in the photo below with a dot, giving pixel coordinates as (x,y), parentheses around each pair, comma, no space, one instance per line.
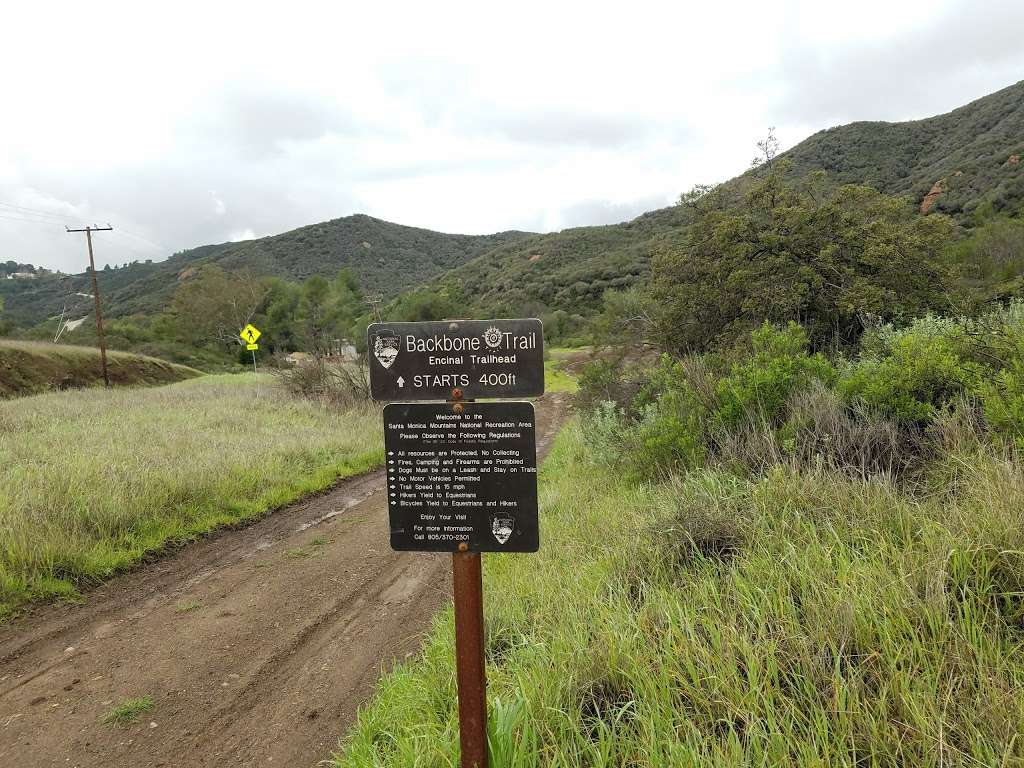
(92,481)
(780,559)
(385,258)
(28,368)
(567,270)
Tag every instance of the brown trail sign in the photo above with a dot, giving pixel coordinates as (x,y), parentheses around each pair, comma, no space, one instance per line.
(462,475)
(482,358)
(462,478)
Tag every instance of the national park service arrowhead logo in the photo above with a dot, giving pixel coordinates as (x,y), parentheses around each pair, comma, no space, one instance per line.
(385,348)
(502,528)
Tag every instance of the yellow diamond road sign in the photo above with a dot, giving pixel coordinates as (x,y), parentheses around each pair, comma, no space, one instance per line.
(250,334)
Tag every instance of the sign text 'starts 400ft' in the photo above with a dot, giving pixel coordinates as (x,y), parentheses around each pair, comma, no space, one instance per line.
(482,358)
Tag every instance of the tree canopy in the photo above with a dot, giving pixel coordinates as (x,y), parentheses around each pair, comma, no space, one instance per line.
(827,259)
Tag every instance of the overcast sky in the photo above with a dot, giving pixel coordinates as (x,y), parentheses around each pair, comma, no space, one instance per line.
(187,124)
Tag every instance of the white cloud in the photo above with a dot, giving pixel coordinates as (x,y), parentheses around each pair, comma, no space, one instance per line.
(207,122)
(245,234)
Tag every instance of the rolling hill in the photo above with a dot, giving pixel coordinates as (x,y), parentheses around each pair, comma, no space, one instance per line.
(971,160)
(966,163)
(972,154)
(386,258)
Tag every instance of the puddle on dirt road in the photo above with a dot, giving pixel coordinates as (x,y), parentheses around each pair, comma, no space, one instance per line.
(350,502)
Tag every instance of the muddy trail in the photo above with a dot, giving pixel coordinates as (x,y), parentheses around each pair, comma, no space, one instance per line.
(257,645)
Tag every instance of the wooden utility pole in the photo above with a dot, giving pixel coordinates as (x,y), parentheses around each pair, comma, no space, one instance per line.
(375,300)
(96,298)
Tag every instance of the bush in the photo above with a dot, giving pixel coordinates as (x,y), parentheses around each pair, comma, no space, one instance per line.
(915,371)
(669,435)
(607,380)
(757,388)
(1003,399)
(914,395)
(604,430)
(338,384)
(822,430)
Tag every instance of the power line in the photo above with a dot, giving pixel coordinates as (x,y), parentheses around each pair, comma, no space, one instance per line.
(140,237)
(3,215)
(57,218)
(25,209)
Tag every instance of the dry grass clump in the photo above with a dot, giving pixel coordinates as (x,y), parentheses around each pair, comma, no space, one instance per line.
(333,383)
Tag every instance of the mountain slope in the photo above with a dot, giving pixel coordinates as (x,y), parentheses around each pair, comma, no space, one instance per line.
(568,270)
(386,259)
(977,151)
(970,148)
(967,163)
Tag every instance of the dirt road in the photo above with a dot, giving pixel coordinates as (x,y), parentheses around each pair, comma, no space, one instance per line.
(256,645)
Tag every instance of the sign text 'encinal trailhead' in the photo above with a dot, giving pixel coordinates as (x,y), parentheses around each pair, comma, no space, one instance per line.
(482,358)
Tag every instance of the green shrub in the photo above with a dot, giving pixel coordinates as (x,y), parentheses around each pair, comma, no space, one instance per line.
(604,430)
(610,379)
(918,371)
(669,435)
(757,388)
(1003,402)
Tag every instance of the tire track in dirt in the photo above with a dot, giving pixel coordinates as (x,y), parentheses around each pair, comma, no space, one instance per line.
(257,644)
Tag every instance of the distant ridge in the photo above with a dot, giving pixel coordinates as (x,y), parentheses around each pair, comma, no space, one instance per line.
(963,163)
(386,259)
(974,153)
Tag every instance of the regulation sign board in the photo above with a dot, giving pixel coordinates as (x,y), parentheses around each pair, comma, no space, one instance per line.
(462,477)
(483,358)
(250,334)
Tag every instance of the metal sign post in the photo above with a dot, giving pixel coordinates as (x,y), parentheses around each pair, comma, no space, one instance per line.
(461,475)
(471,677)
(252,348)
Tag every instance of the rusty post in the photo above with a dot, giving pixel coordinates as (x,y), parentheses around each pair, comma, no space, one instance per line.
(469,657)
(470,674)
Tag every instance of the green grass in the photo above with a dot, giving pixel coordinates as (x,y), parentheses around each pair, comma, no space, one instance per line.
(556,377)
(92,480)
(797,619)
(128,712)
(187,606)
(32,367)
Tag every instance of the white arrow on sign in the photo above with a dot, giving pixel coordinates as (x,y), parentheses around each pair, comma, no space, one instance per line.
(401,382)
